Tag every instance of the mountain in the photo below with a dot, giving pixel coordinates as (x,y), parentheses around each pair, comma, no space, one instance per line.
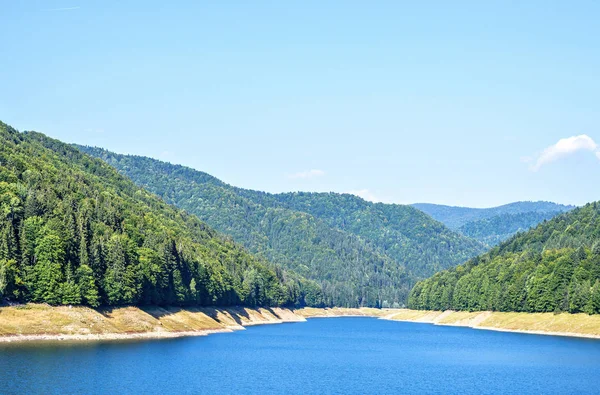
(553,267)
(405,234)
(363,254)
(493,225)
(74,231)
(494,230)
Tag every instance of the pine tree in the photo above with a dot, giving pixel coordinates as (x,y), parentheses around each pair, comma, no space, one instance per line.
(48,275)
(8,272)
(593,305)
(87,286)
(579,295)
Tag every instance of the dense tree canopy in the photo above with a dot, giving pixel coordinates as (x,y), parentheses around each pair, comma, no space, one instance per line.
(74,231)
(363,254)
(455,217)
(554,267)
(494,225)
(402,232)
(492,231)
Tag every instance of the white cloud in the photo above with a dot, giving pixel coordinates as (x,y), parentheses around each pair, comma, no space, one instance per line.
(307,174)
(365,194)
(565,147)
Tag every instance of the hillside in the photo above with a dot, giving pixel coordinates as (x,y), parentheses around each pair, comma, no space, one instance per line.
(363,254)
(494,230)
(74,231)
(402,232)
(493,225)
(554,267)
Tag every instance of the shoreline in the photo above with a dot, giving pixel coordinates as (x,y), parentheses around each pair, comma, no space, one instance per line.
(525,323)
(496,329)
(108,336)
(43,323)
(547,324)
(545,333)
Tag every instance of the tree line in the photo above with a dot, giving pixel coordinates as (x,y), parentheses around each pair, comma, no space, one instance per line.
(494,230)
(74,231)
(552,268)
(362,254)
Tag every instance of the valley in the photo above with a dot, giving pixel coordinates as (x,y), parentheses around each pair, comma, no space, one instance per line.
(75,232)
(299,198)
(37,322)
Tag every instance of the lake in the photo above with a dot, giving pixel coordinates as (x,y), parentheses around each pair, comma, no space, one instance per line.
(322,356)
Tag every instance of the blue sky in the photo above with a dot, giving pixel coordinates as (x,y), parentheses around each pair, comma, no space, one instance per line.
(461,103)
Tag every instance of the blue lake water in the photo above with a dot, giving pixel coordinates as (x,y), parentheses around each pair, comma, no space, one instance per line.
(321,356)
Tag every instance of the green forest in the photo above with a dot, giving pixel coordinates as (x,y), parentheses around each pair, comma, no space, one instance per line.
(455,217)
(74,231)
(402,232)
(552,268)
(363,254)
(491,226)
(492,231)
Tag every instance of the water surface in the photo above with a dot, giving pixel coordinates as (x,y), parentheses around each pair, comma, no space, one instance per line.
(324,356)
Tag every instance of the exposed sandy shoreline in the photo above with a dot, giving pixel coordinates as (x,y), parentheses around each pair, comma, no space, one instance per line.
(109,336)
(571,325)
(35,322)
(566,334)
(564,324)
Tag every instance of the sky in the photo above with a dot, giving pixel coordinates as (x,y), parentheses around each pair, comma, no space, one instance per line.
(469,103)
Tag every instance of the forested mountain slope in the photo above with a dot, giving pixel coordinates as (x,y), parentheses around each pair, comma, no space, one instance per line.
(554,267)
(494,230)
(455,217)
(74,231)
(401,232)
(360,253)
(493,225)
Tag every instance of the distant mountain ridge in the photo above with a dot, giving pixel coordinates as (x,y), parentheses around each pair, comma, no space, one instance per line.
(363,254)
(454,216)
(496,224)
(552,268)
